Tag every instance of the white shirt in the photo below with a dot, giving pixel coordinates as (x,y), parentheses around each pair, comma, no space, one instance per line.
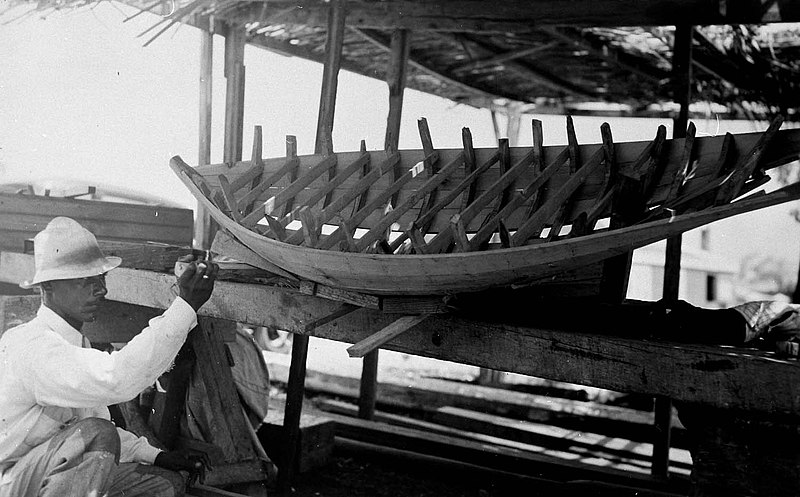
(48,380)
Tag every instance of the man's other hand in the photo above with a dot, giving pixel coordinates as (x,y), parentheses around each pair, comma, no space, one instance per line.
(196,282)
(195,463)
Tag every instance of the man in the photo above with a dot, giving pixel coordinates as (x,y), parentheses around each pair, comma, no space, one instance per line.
(56,437)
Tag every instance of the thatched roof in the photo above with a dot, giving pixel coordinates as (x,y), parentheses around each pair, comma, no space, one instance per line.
(562,56)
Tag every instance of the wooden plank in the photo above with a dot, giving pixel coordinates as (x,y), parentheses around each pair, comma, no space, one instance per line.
(28,214)
(534,437)
(339,295)
(685,165)
(377,339)
(228,428)
(514,460)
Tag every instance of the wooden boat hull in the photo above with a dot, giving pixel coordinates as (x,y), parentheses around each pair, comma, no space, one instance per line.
(521,263)
(435,274)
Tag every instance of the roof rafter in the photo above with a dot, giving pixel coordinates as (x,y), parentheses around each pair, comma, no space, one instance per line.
(521,16)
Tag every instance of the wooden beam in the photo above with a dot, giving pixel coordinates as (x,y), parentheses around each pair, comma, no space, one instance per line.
(725,377)
(500,58)
(396,79)
(519,16)
(528,69)
(330,79)
(295,392)
(379,338)
(234,93)
(203,225)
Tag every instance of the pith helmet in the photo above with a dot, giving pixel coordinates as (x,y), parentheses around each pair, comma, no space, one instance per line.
(65,250)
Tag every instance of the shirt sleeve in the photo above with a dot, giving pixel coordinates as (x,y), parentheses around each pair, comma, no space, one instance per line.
(64,375)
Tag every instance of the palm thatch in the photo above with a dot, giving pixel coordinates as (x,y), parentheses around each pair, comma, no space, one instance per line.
(739,71)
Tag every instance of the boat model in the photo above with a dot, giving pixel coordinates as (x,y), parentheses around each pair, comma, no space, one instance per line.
(433,222)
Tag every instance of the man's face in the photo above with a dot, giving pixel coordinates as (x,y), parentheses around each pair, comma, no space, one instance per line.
(78,300)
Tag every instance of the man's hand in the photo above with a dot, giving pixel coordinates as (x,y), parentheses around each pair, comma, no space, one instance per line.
(196,463)
(196,282)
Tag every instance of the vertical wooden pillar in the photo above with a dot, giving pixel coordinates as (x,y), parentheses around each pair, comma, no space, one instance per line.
(234,92)
(682,87)
(330,77)
(295,391)
(368,393)
(396,79)
(203,223)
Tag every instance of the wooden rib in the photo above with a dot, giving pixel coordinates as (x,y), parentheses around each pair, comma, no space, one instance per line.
(459,233)
(574,165)
(630,204)
(291,153)
(469,182)
(431,162)
(505,165)
(272,203)
(469,166)
(391,331)
(230,200)
(268,183)
(361,186)
(349,243)
(443,238)
(685,165)
(534,223)
(310,227)
(747,165)
(257,168)
(417,240)
(651,176)
(427,187)
(519,199)
(277,228)
(721,172)
(362,199)
(538,161)
(505,235)
(587,220)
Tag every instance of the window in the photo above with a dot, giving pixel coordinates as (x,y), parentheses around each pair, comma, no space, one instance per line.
(711,287)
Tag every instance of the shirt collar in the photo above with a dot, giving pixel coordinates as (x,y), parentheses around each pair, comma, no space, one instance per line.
(56,323)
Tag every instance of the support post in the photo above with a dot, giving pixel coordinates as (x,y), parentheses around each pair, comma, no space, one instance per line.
(203,222)
(396,79)
(682,87)
(293,410)
(368,393)
(330,77)
(234,93)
